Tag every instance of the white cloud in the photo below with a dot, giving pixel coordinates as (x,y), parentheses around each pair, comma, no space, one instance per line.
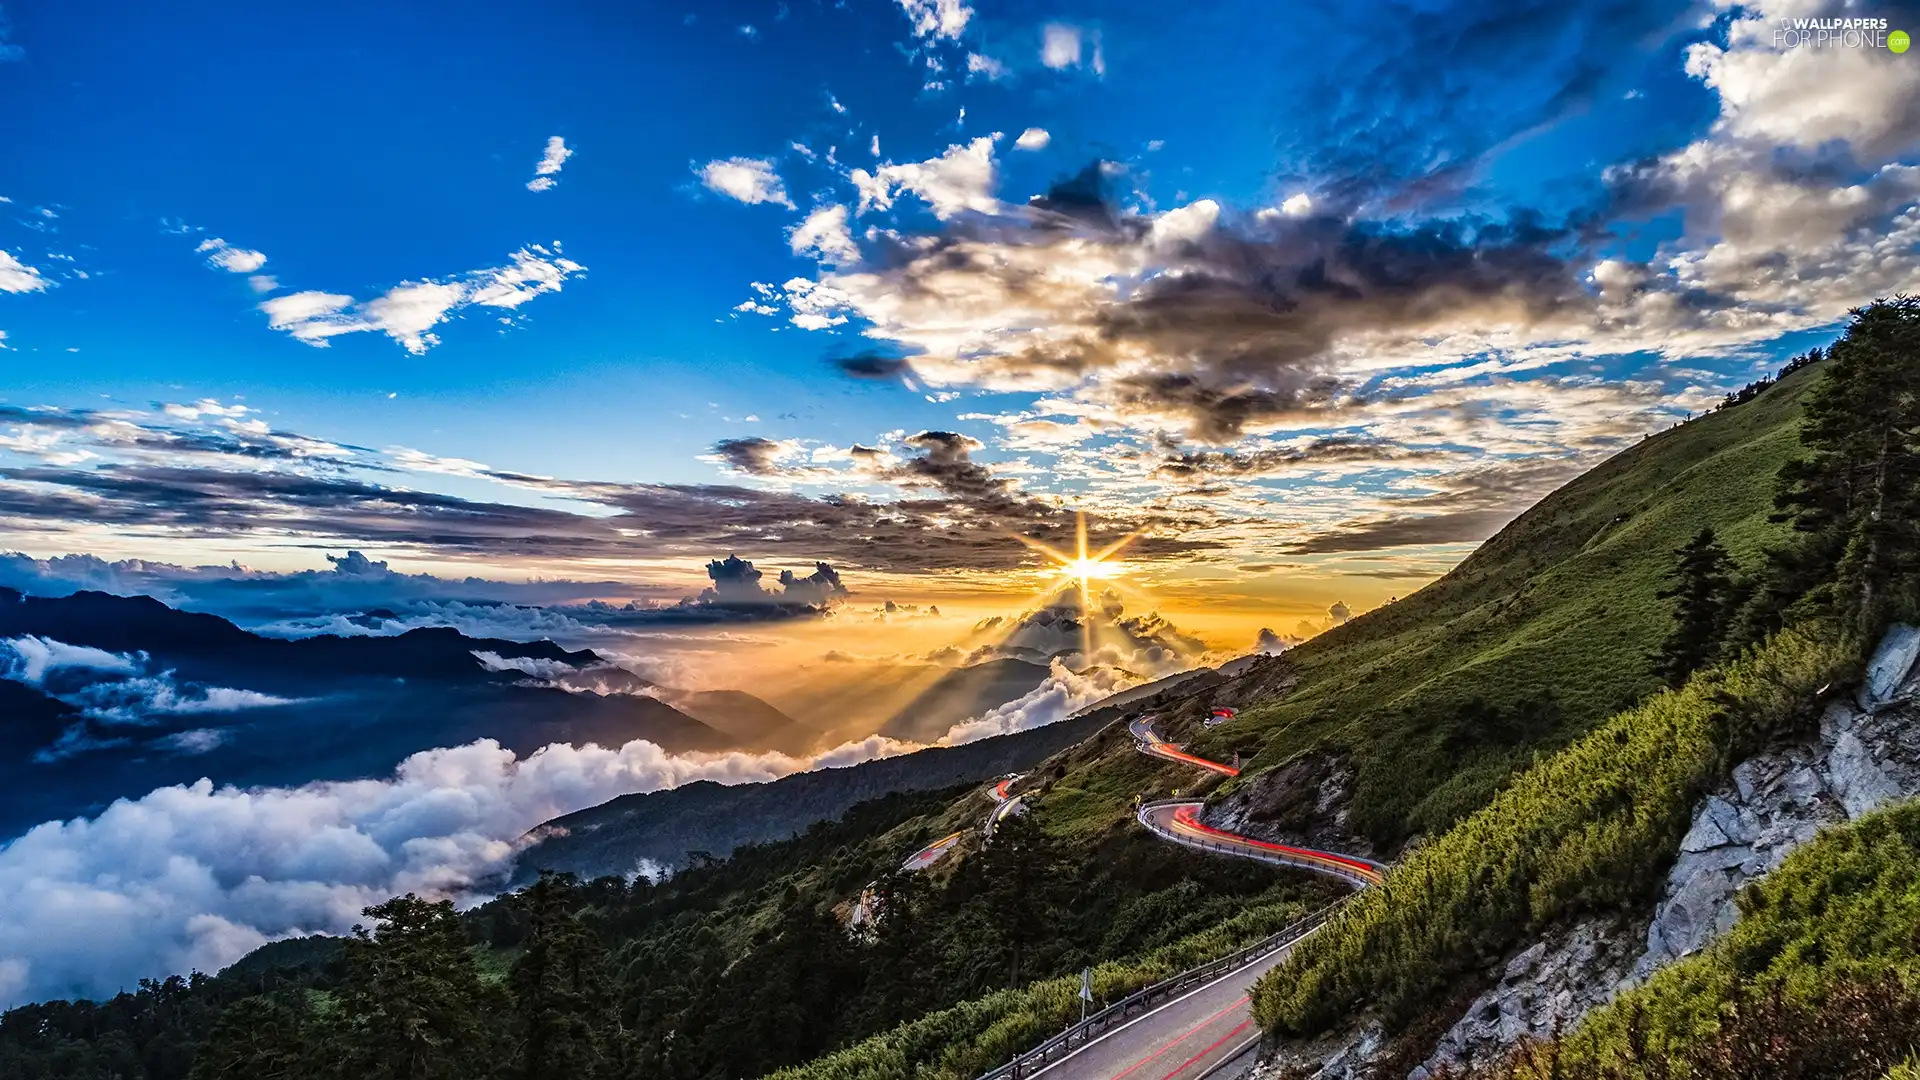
(139,698)
(408,312)
(1806,97)
(937,18)
(825,236)
(1033,138)
(115,689)
(1060,45)
(750,180)
(30,440)
(205,407)
(1297,205)
(234,260)
(31,659)
(1063,694)
(194,877)
(1186,223)
(197,741)
(538,667)
(18,277)
(959,180)
(815,306)
(550,164)
(982,64)
(263,283)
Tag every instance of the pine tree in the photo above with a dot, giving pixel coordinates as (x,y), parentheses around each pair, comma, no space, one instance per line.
(565,1022)
(1700,590)
(411,1005)
(256,1038)
(1022,866)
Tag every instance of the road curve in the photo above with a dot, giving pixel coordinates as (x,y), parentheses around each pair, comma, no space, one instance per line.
(1194,1036)
(1180,823)
(1004,802)
(1148,742)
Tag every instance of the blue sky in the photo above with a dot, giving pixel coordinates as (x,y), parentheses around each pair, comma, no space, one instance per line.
(1502,233)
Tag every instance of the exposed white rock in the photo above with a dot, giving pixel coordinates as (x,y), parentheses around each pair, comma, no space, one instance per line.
(1347,1056)
(1892,663)
(1543,990)
(1775,802)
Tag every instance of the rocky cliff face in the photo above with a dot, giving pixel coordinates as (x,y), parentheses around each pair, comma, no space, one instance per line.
(1303,802)
(1542,990)
(1865,753)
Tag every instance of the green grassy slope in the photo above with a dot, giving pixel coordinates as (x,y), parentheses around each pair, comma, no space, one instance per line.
(1562,599)
(1839,917)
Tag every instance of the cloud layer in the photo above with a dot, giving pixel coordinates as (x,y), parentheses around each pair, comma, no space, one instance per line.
(192,877)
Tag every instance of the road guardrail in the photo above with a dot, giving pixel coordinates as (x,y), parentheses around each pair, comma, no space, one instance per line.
(1079,1034)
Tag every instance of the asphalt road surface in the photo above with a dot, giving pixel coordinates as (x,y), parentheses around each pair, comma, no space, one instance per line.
(1181,1040)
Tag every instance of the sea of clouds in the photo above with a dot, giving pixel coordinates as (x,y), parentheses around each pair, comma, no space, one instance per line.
(192,877)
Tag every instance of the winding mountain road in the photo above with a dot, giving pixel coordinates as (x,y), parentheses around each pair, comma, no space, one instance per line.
(1209,1030)
(1004,802)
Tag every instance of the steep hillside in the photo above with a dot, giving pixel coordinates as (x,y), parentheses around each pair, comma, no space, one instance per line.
(1542,632)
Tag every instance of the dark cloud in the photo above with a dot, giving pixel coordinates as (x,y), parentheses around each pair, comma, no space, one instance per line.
(1468,527)
(736,585)
(1198,465)
(1087,196)
(754,456)
(946,465)
(871,365)
(1397,573)
(651,520)
(818,589)
(1273,644)
(131,434)
(1252,317)
(353,584)
(61,419)
(1239,328)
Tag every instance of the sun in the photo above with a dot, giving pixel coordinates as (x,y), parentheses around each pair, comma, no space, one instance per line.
(1081,565)
(1092,569)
